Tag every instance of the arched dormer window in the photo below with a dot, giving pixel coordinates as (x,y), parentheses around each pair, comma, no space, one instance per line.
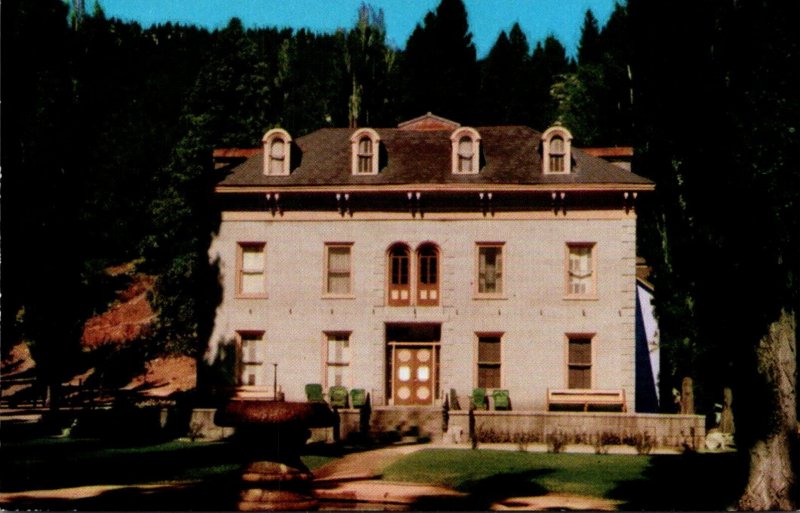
(466,145)
(398,268)
(277,152)
(556,151)
(365,146)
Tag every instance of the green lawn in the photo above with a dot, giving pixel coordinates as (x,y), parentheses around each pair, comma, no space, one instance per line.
(205,475)
(691,481)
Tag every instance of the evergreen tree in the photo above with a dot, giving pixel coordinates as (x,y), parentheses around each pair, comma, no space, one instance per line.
(43,300)
(548,63)
(589,50)
(440,66)
(595,101)
(506,81)
(726,214)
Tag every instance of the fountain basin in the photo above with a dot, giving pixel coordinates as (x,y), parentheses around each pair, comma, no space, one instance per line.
(272,435)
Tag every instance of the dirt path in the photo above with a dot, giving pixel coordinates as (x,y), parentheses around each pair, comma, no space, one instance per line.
(362,465)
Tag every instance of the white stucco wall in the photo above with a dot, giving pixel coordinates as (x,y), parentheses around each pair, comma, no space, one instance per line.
(534,315)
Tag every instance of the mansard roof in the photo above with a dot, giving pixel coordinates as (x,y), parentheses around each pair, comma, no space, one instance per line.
(510,155)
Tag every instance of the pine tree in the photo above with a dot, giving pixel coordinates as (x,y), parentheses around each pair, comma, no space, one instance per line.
(440,66)
(729,264)
(589,50)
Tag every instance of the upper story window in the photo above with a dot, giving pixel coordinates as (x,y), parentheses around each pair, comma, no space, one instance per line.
(277,152)
(399,283)
(365,146)
(428,275)
(338,271)
(490,269)
(581,276)
(466,147)
(251,270)
(556,151)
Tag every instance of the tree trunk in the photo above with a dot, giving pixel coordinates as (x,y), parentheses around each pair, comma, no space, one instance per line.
(771,480)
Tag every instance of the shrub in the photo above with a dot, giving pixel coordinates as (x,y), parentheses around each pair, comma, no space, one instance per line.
(644,443)
(556,442)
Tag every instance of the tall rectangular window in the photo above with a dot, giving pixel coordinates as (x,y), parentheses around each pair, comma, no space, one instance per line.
(338,269)
(490,269)
(251,269)
(579,365)
(489,361)
(252,353)
(337,362)
(580,270)
(365,156)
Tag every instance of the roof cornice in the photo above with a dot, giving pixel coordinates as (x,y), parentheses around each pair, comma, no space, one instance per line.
(426,187)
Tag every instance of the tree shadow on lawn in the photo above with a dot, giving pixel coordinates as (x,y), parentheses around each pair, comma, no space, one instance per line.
(217,494)
(482,493)
(687,482)
(60,464)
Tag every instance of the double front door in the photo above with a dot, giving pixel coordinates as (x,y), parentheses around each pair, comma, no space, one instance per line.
(414,374)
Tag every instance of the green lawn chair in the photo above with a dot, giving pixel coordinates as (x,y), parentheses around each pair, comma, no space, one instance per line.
(479,398)
(501,400)
(337,396)
(314,393)
(358,397)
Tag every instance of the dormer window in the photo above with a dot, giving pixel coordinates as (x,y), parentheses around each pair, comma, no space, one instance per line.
(556,151)
(365,144)
(277,151)
(466,151)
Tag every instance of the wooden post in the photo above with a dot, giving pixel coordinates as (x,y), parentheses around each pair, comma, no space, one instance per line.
(687,396)
(726,417)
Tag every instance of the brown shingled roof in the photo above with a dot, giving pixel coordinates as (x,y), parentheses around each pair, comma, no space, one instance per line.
(510,155)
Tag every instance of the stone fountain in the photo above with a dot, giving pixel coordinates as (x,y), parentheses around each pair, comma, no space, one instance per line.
(272,434)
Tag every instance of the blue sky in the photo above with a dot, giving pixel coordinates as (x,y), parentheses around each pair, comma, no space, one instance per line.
(538,18)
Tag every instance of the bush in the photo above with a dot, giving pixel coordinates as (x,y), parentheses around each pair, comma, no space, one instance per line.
(556,442)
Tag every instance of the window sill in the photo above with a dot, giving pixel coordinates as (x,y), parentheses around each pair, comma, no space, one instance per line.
(582,298)
(251,296)
(338,296)
(490,296)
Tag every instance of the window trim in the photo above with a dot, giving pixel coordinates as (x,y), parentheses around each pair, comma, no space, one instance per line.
(592,354)
(267,140)
(355,142)
(325,276)
(477,294)
(240,335)
(476,357)
(455,140)
(326,335)
(547,137)
(591,295)
(240,271)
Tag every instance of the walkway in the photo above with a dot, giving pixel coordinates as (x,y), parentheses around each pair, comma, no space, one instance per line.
(356,477)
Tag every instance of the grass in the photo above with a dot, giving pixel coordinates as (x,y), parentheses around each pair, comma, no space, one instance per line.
(466,471)
(658,483)
(206,475)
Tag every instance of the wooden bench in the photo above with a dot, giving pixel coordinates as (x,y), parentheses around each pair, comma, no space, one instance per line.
(585,399)
(264,393)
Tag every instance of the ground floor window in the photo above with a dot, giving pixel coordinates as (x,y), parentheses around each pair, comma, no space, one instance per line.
(252,354)
(337,361)
(579,365)
(488,372)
